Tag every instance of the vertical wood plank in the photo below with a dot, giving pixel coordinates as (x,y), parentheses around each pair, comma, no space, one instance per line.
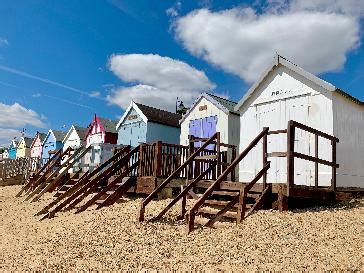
(290,157)
(316,163)
(333,170)
(265,156)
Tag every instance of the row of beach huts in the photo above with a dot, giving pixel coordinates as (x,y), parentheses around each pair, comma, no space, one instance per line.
(292,135)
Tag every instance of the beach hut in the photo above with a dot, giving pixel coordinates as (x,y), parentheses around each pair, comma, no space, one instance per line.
(36,146)
(24,147)
(5,154)
(102,136)
(52,142)
(287,92)
(144,124)
(75,137)
(210,114)
(12,149)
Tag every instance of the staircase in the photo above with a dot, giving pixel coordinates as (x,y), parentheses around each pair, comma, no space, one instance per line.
(51,182)
(216,202)
(37,178)
(110,181)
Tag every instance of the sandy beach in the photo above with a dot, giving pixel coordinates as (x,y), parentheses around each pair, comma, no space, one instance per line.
(320,238)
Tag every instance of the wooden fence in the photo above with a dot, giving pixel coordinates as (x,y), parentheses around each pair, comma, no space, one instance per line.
(10,168)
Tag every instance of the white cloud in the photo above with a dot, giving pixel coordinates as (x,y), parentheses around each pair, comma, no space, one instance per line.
(3,42)
(158,80)
(173,11)
(7,135)
(312,33)
(16,116)
(95,94)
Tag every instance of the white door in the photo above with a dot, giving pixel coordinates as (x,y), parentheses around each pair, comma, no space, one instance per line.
(275,115)
(270,115)
(297,109)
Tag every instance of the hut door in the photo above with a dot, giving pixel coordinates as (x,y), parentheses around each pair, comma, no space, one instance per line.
(297,108)
(203,128)
(209,129)
(269,115)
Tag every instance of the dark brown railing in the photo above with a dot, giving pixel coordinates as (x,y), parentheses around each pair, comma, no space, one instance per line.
(185,165)
(291,154)
(216,185)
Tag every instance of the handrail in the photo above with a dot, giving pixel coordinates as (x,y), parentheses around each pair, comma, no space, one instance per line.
(34,179)
(312,130)
(185,190)
(106,174)
(39,185)
(172,175)
(236,199)
(228,170)
(77,155)
(124,160)
(291,154)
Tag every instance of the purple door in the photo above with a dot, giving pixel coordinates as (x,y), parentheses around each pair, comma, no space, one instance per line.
(203,128)
(209,129)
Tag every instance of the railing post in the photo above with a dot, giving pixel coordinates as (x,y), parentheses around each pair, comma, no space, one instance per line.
(290,155)
(316,163)
(158,159)
(233,156)
(333,169)
(191,147)
(140,167)
(265,155)
(218,158)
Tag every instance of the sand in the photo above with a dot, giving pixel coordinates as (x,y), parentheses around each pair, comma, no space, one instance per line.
(321,238)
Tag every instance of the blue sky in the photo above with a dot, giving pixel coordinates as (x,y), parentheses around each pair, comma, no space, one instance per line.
(62,61)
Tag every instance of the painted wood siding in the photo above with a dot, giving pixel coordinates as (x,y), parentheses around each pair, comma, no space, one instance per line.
(96,135)
(211,110)
(22,150)
(12,151)
(282,96)
(36,150)
(133,130)
(349,128)
(49,144)
(164,133)
(73,140)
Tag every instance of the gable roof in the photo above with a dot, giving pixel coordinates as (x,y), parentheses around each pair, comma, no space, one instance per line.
(279,60)
(160,116)
(59,135)
(28,141)
(13,143)
(225,105)
(42,136)
(81,132)
(148,113)
(109,125)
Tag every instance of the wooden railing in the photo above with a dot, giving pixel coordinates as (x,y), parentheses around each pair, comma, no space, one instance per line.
(46,168)
(216,185)
(291,154)
(20,166)
(185,165)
